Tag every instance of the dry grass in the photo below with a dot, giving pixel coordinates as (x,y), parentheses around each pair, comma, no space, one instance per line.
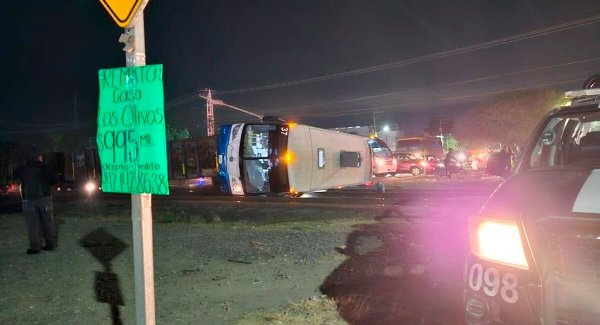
(307,312)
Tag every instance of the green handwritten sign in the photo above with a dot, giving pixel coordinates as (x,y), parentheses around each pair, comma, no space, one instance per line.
(131,137)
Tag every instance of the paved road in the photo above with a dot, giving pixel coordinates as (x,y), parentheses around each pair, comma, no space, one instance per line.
(407,268)
(399,190)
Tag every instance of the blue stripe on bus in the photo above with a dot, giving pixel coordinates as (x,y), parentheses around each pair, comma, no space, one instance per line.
(222,143)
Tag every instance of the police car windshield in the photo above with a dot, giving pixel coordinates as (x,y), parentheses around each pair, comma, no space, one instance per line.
(568,141)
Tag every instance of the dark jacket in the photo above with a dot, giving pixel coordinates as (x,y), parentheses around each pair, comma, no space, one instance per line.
(36,179)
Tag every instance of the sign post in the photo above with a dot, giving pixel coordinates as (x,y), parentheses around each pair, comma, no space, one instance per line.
(132,142)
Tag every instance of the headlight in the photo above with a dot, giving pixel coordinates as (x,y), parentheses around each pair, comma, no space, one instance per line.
(423,164)
(498,241)
(90,186)
(236,187)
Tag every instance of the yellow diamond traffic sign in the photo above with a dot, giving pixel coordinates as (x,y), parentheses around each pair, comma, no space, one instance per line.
(122,11)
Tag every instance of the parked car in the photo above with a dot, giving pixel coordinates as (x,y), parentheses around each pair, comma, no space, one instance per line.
(408,163)
(12,188)
(499,164)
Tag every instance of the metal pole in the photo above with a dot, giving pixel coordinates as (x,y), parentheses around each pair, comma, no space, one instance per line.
(374,125)
(141,204)
(221,103)
(442,136)
(210,116)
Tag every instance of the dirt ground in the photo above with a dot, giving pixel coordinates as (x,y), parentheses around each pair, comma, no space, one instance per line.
(221,265)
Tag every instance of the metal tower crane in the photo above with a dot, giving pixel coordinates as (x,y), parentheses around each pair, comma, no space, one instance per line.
(210,116)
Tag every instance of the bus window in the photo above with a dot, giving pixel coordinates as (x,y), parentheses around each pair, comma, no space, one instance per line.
(256,141)
(258,147)
(256,175)
(321,157)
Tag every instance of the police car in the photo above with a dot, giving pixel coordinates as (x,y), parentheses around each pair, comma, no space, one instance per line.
(535,244)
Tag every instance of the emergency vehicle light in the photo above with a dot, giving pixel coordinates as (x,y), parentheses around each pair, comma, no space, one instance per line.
(582,93)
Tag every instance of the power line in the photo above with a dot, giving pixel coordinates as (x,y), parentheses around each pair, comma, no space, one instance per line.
(69,126)
(429,57)
(381,104)
(461,82)
(421,100)
(532,84)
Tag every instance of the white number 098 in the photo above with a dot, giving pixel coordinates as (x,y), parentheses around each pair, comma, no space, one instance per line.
(490,281)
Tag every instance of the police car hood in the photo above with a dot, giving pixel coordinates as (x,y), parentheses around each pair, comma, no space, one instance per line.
(551,192)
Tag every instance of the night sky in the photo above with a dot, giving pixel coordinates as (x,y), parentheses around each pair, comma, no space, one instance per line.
(328,63)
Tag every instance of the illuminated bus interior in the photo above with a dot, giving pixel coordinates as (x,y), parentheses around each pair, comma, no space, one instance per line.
(262,169)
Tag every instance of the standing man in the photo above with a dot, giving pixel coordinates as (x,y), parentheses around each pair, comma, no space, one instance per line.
(507,159)
(36,180)
(448,160)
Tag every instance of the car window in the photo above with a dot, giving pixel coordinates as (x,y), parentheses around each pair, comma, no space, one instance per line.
(568,141)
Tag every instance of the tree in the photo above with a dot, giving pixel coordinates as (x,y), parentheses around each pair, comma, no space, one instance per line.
(57,141)
(11,155)
(509,118)
(177,134)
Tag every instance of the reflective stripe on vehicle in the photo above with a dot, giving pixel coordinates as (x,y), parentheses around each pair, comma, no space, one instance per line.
(587,199)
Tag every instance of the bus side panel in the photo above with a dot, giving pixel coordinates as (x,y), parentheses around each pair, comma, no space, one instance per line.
(301,168)
(332,174)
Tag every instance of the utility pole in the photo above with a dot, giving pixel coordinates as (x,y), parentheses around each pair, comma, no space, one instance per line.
(210,115)
(76,120)
(374,123)
(130,16)
(141,204)
(442,134)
